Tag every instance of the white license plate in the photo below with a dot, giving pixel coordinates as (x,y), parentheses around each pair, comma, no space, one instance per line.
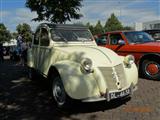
(114,95)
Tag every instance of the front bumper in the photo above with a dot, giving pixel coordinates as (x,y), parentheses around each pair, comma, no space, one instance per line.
(107,96)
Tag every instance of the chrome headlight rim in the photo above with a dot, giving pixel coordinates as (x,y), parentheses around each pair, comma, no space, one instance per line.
(129,60)
(86,64)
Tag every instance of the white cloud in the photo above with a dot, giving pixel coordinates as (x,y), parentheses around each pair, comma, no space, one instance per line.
(128,11)
(19,16)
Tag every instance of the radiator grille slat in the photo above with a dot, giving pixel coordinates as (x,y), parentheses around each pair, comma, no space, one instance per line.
(108,75)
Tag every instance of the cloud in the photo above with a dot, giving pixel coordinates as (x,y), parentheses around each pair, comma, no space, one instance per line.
(127,11)
(19,16)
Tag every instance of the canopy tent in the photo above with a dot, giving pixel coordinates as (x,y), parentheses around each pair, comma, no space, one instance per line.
(12,42)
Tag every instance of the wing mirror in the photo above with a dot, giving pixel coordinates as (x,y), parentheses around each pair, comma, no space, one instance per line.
(121,42)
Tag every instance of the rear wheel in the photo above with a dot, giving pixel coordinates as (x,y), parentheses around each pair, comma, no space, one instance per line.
(151,69)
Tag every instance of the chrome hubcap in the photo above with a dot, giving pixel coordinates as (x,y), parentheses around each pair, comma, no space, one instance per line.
(58,93)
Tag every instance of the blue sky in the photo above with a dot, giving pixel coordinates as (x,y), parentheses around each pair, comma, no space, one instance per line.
(13,12)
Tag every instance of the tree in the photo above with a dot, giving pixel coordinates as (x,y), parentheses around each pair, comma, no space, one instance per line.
(98,29)
(113,24)
(56,11)
(25,31)
(4,33)
(91,28)
(14,35)
(127,28)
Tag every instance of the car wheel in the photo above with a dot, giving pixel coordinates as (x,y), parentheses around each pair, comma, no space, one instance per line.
(151,69)
(60,97)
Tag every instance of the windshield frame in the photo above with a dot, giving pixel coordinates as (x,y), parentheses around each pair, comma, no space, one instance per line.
(61,32)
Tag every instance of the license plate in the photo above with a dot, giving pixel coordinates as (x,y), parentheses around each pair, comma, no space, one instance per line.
(114,95)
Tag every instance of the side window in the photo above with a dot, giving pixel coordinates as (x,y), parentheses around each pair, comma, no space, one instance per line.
(114,38)
(102,40)
(44,38)
(36,37)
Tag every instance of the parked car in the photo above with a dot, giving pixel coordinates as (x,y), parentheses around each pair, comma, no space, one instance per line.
(77,68)
(154,33)
(140,44)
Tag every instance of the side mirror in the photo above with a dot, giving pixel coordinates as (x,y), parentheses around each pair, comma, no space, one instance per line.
(121,42)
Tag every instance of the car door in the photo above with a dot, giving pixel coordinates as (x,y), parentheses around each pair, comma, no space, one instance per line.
(35,48)
(118,43)
(44,51)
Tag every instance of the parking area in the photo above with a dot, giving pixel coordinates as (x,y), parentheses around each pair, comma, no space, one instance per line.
(23,99)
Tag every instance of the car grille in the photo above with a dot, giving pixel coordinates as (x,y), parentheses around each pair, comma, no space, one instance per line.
(109,74)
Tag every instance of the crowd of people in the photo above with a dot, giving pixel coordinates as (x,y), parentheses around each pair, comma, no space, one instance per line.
(17,53)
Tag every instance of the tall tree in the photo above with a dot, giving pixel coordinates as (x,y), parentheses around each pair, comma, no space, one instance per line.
(113,24)
(91,28)
(4,33)
(98,29)
(25,31)
(14,35)
(128,28)
(56,11)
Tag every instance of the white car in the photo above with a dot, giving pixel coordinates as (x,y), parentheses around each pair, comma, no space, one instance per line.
(78,69)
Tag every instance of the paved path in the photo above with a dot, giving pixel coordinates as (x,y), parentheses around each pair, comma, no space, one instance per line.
(23,99)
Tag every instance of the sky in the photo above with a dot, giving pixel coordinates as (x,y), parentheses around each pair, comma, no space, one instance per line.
(129,12)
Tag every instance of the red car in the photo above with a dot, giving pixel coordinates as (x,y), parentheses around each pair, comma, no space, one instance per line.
(137,43)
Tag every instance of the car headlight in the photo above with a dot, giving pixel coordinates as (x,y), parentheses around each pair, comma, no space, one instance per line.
(86,65)
(129,59)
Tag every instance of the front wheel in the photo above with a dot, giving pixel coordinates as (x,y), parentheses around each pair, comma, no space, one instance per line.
(60,97)
(151,69)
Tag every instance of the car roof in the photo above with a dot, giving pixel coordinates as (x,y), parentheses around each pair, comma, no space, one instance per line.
(64,26)
(152,31)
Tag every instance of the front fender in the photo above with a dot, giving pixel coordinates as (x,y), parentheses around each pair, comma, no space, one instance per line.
(132,74)
(77,85)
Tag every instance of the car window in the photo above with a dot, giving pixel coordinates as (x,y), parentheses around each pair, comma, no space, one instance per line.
(138,37)
(114,38)
(44,38)
(102,40)
(36,37)
(77,35)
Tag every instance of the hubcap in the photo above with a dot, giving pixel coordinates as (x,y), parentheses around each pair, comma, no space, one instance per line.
(58,93)
(152,68)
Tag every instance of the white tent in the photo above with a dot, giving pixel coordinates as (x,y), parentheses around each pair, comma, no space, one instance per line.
(12,42)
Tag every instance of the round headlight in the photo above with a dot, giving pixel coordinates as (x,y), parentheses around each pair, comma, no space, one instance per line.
(86,64)
(129,59)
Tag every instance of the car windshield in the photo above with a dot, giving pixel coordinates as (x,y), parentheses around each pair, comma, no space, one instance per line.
(138,37)
(71,35)
(156,36)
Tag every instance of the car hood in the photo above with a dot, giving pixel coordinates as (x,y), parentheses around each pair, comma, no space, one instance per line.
(100,56)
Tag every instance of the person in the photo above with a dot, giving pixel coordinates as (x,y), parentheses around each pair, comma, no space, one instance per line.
(19,49)
(24,48)
(1,52)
